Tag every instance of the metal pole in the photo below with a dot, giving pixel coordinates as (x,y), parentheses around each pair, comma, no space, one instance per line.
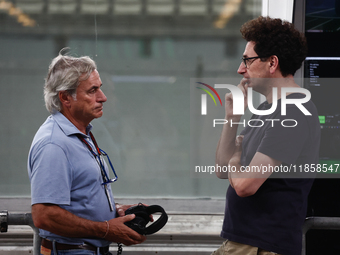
(332,223)
(21,219)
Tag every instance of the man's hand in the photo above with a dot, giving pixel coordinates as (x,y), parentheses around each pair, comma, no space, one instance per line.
(120,233)
(120,209)
(229,100)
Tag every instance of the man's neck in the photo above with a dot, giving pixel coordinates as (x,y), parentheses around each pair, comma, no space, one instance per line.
(77,123)
(284,82)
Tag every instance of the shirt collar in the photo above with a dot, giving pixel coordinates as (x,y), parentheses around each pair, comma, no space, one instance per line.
(67,126)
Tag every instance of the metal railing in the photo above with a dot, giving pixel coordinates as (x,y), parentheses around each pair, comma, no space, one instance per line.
(6,219)
(330,223)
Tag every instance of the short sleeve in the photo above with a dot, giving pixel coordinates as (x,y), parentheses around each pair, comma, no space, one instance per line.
(285,139)
(50,176)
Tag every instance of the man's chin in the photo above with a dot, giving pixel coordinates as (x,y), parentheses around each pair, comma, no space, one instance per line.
(98,114)
(249,84)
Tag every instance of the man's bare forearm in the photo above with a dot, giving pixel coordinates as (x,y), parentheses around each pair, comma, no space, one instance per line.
(225,148)
(62,222)
(226,145)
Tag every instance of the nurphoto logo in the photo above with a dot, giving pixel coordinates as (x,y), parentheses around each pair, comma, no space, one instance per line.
(238,104)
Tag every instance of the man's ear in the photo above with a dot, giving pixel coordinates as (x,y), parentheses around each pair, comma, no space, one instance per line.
(274,64)
(65,98)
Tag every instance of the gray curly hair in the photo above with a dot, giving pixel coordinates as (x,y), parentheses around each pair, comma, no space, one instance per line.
(64,74)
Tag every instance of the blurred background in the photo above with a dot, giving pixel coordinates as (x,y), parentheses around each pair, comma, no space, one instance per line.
(146,51)
(150,54)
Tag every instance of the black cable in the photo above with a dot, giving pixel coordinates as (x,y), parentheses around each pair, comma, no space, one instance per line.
(120,249)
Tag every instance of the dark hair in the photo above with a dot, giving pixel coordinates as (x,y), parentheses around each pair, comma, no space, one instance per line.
(277,37)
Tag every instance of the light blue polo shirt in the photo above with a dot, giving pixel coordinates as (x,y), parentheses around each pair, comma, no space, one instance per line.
(63,171)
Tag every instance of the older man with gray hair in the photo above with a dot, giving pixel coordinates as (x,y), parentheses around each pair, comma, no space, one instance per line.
(72,202)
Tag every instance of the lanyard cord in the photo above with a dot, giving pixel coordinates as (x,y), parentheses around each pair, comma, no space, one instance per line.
(105,178)
(120,248)
(102,170)
(89,146)
(99,159)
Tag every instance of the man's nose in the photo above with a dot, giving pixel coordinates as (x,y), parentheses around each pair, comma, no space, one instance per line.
(102,97)
(242,68)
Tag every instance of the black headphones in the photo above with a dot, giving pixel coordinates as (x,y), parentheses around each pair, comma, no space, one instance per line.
(142,218)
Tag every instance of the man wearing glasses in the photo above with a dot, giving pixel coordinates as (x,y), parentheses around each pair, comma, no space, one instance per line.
(265,215)
(72,202)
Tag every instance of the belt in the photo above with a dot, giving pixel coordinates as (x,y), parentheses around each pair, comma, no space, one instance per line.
(61,246)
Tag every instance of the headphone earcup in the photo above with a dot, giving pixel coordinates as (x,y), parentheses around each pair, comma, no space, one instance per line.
(142,218)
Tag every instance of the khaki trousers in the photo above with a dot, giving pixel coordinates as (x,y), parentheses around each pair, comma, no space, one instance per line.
(233,248)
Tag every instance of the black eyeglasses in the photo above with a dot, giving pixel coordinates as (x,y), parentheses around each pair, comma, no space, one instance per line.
(245,60)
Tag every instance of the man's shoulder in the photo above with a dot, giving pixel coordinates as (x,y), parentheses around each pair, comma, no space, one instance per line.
(49,133)
(305,112)
(294,111)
